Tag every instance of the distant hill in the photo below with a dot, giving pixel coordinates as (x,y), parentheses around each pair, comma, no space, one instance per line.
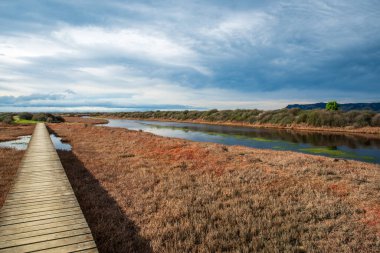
(343,107)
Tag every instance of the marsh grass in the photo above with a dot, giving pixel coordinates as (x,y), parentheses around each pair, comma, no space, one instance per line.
(9,162)
(183,196)
(10,158)
(11,132)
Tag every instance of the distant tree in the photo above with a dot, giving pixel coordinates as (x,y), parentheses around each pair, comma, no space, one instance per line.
(332,106)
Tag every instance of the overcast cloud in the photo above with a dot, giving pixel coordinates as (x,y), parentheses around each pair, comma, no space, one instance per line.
(122,55)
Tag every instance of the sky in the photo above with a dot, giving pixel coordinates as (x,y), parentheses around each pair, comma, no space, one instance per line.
(89,55)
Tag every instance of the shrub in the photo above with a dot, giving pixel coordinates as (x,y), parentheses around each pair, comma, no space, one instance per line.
(363,119)
(317,118)
(314,119)
(48,117)
(7,119)
(332,106)
(25,115)
(376,120)
(39,117)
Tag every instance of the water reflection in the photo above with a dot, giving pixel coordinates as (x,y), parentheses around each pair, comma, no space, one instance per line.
(314,138)
(58,144)
(21,143)
(359,147)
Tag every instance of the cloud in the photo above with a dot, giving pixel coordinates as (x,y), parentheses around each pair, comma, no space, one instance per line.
(252,27)
(138,44)
(23,100)
(202,54)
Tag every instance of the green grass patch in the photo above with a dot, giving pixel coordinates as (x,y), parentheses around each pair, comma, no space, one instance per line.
(336,153)
(326,150)
(261,139)
(17,120)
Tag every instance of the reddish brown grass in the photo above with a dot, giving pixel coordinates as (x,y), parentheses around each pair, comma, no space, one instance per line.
(11,132)
(142,192)
(10,158)
(9,162)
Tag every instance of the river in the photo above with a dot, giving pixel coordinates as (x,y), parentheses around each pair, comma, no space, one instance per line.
(345,146)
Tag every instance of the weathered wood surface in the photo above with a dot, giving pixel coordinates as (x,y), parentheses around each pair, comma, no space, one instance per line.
(41,212)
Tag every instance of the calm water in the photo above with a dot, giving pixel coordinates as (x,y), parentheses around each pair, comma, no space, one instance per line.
(22,143)
(333,145)
(58,144)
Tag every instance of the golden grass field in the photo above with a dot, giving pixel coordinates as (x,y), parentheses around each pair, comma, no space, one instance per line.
(145,193)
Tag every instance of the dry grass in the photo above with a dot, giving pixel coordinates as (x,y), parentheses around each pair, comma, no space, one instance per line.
(9,162)
(11,132)
(143,193)
(10,158)
(93,121)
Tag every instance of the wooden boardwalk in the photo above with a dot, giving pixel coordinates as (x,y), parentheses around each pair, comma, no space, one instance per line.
(41,212)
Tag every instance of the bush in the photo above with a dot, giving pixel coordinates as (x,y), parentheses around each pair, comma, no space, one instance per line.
(376,120)
(39,117)
(315,118)
(363,119)
(7,119)
(47,117)
(25,115)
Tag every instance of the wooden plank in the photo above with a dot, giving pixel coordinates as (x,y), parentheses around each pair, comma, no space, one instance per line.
(37,201)
(41,212)
(7,213)
(46,237)
(16,196)
(20,199)
(90,245)
(39,215)
(87,251)
(41,225)
(78,239)
(45,231)
(69,212)
(41,189)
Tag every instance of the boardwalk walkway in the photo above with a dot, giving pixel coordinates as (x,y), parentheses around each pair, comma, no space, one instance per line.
(41,213)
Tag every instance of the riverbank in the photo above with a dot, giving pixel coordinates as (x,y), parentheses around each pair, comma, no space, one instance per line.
(373,131)
(10,158)
(141,192)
